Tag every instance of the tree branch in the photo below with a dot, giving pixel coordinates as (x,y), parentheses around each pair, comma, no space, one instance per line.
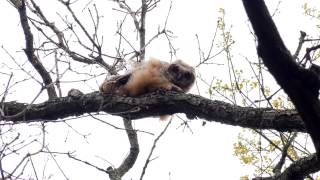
(33,59)
(127,164)
(142,29)
(300,84)
(155,104)
(297,170)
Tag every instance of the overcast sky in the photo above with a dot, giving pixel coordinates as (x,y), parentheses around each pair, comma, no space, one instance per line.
(206,152)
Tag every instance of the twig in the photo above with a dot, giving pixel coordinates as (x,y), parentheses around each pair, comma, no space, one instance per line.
(142,29)
(57,73)
(86,162)
(116,127)
(4,95)
(153,148)
(33,168)
(301,41)
(277,168)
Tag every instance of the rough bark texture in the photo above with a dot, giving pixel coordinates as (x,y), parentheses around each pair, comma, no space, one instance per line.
(155,104)
(301,85)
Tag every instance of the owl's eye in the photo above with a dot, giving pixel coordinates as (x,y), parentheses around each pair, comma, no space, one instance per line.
(174,68)
(187,75)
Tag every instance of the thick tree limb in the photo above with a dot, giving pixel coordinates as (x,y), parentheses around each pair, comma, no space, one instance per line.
(155,104)
(301,85)
(297,170)
(301,168)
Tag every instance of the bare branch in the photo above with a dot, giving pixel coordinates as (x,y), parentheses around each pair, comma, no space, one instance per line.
(63,44)
(301,41)
(127,164)
(33,59)
(70,155)
(153,148)
(142,29)
(278,167)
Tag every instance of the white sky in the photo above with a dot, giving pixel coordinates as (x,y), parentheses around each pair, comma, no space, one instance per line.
(205,154)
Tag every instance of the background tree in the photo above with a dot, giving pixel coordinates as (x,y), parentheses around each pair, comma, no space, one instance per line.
(64,51)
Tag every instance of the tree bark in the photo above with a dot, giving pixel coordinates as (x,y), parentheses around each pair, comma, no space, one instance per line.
(154,104)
